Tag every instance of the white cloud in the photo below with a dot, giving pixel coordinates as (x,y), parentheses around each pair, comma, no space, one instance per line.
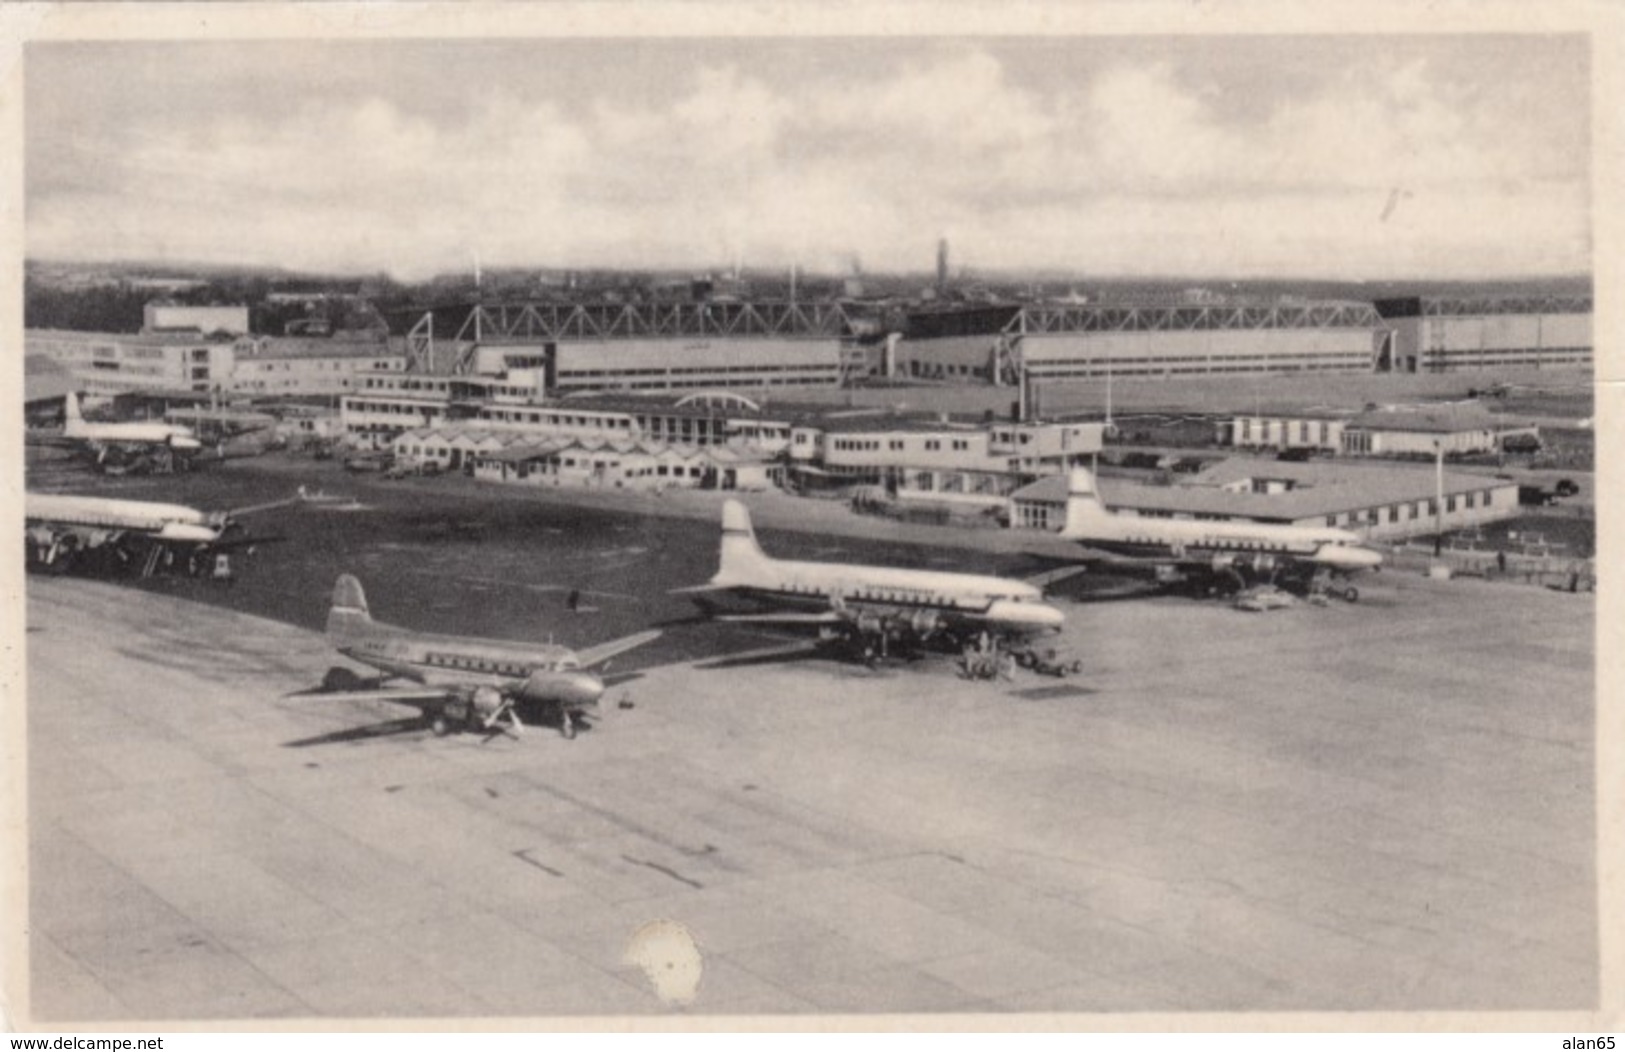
(1123,168)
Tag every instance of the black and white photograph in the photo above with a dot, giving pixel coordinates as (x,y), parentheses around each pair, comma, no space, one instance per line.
(669,515)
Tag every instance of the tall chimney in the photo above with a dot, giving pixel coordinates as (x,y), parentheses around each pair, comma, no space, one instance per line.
(942,264)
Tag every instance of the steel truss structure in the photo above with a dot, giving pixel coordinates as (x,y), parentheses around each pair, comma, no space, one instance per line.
(530,323)
(1039,319)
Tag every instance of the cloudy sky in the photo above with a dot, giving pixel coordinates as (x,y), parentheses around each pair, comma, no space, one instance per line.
(1343,157)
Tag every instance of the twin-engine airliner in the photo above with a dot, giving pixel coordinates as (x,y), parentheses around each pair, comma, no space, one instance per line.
(466,682)
(869,607)
(1238,550)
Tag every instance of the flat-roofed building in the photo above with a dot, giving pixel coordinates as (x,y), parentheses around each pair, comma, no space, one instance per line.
(108,364)
(1419,432)
(292,366)
(936,460)
(163,316)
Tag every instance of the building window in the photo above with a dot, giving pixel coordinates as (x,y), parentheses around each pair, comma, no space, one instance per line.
(1331,520)
(1450,503)
(1393,513)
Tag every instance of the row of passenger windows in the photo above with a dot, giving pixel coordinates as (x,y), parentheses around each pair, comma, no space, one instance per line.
(458,661)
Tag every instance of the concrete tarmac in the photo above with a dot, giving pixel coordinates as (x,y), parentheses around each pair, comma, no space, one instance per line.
(1380,806)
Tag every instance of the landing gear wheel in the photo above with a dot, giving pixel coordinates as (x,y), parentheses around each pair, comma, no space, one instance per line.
(568,727)
(440,727)
(1351,594)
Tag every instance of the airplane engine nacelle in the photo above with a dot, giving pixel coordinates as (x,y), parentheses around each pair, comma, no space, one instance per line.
(924,623)
(486,703)
(869,625)
(1223,562)
(572,689)
(1263,563)
(187,532)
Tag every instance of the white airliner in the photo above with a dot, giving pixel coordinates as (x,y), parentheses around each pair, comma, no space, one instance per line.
(59,527)
(868,606)
(131,437)
(1232,548)
(467,681)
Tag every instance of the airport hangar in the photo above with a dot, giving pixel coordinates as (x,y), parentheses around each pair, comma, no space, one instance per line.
(1222,336)
(1377,502)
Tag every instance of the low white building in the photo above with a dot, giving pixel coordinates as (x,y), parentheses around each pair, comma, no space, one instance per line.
(162,316)
(1386,503)
(1460,430)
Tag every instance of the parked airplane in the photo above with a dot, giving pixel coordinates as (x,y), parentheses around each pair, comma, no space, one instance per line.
(1235,549)
(60,528)
(119,444)
(867,606)
(465,681)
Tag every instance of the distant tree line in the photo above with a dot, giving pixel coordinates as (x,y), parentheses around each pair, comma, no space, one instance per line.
(105,308)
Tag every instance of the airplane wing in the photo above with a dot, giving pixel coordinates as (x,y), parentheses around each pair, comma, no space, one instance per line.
(421,697)
(821,617)
(268,506)
(697,589)
(604,651)
(1096,557)
(1056,576)
(244,541)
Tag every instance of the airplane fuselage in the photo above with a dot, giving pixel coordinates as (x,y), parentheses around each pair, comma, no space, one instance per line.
(460,663)
(966,600)
(1147,537)
(171,522)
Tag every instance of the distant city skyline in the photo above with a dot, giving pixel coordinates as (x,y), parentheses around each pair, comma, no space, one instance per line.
(1337,157)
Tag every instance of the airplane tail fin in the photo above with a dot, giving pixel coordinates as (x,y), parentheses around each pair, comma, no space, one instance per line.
(741,555)
(72,419)
(1083,503)
(349,612)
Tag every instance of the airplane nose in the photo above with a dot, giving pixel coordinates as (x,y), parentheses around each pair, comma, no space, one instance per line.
(1352,558)
(1029,617)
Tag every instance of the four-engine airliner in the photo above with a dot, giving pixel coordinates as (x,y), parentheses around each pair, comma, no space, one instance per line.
(868,606)
(120,443)
(1236,549)
(60,528)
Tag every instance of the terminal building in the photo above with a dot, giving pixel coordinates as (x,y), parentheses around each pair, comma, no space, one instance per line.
(1378,502)
(936,460)
(109,364)
(295,366)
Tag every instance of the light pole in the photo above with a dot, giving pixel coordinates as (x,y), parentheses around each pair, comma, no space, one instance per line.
(1438,495)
